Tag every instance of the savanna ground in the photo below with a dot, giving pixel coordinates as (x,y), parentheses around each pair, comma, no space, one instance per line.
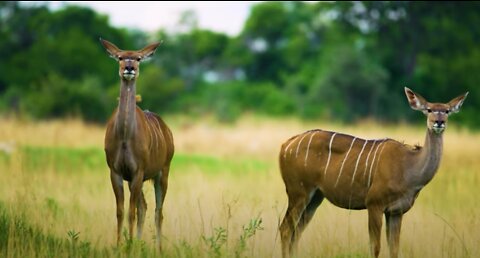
(225,196)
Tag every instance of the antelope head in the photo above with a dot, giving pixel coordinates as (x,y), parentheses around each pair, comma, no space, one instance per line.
(437,113)
(129,61)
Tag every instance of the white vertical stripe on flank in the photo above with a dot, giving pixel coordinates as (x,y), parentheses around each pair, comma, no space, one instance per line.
(150,133)
(300,142)
(160,133)
(344,159)
(152,138)
(154,132)
(368,156)
(380,154)
(286,148)
(329,153)
(358,160)
(373,162)
(308,147)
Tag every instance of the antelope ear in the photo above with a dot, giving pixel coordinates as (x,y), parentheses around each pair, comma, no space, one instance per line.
(149,50)
(457,102)
(111,48)
(416,101)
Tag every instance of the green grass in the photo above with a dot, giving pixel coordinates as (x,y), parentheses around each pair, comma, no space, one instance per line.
(64,160)
(213,165)
(57,199)
(36,219)
(27,216)
(20,239)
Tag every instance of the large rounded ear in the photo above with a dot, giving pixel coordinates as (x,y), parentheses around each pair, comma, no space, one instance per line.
(416,101)
(111,48)
(457,102)
(149,50)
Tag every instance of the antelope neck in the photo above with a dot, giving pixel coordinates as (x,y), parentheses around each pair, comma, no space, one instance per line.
(427,161)
(126,121)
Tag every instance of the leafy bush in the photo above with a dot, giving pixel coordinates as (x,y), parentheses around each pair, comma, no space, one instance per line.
(56,97)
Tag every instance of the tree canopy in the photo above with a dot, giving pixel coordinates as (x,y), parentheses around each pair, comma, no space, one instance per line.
(334,60)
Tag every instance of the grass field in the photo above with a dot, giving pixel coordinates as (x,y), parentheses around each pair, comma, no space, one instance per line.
(225,197)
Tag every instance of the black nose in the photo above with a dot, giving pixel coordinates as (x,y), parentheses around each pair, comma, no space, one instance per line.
(129,68)
(439,122)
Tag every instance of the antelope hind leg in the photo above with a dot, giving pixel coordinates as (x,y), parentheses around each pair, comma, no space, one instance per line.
(141,211)
(315,201)
(161,185)
(296,207)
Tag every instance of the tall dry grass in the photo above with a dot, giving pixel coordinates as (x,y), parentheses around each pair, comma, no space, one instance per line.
(445,222)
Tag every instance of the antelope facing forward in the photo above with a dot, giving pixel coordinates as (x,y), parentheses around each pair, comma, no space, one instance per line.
(382,176)
(138,145)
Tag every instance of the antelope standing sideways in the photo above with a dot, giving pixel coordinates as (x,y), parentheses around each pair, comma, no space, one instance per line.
(138,145)
(382,176)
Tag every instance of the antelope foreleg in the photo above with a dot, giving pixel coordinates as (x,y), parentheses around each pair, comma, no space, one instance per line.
(394,224)
(117,184)
(135,195)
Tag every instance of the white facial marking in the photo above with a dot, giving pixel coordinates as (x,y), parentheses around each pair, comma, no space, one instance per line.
(128,72)
(329,153)
(308,147)
(129,76)
(358,160)
(344,159)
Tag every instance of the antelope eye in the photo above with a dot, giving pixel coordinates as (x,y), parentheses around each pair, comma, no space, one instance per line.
(120,58)
(138,59)
(429,110)
(447,111)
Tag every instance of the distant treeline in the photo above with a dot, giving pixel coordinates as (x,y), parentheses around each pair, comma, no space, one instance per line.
(338,60)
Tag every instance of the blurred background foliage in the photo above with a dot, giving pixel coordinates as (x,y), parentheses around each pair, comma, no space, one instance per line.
(344,61)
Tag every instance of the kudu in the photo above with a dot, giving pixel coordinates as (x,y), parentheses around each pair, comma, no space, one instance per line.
(138,145)
(382,176)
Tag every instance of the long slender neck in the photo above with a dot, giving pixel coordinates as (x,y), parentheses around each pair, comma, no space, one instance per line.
(125,125)
(428,159)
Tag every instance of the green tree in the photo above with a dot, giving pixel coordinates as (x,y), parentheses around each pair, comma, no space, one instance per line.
(332,59)
(43,49)
(352,86)
(427,46)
